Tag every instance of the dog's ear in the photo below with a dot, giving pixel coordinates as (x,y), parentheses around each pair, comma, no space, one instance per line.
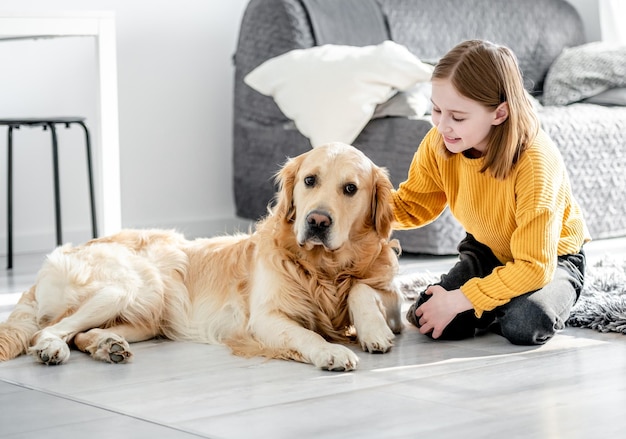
(285,178)
(382,211)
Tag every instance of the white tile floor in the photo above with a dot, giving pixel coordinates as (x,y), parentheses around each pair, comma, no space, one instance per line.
(573,387)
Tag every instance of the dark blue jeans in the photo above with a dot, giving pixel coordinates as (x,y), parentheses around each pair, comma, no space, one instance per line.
(530,319)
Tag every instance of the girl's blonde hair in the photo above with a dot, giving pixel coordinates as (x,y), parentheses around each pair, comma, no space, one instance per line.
(489,74)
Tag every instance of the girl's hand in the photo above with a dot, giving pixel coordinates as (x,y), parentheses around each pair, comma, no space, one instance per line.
(438,311)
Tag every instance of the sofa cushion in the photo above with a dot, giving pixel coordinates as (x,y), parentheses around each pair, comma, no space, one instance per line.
(346,22)
(331,91)
(412,103)
(535,30)
(584,71)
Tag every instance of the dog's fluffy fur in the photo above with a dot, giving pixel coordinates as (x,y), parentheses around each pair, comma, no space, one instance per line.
(317,271)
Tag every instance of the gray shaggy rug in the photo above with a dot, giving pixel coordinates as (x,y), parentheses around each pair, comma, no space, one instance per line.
(601,306)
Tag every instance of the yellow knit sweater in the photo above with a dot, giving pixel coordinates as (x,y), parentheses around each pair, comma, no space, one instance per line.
(527,220)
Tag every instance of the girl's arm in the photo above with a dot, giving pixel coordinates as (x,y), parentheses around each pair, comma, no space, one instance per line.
(420,199)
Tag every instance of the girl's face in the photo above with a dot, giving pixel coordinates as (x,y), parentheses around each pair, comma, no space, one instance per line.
(464,124)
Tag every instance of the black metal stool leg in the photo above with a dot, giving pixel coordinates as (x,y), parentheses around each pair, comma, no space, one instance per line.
(57,190)
(47,123)
(10,198)
(94,222)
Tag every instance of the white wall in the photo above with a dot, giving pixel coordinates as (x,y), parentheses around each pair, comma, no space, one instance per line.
(589,11)
(175,78)
(41,78)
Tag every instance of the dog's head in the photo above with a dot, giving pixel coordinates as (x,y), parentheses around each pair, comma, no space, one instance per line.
(333,193)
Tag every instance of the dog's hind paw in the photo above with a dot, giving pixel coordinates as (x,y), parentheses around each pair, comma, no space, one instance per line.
(113,350)
(50,351)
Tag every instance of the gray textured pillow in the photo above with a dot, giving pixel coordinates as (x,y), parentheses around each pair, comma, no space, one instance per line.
(584,71)
(612,97)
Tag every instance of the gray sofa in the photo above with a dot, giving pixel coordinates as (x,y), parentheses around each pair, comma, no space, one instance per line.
(592,138)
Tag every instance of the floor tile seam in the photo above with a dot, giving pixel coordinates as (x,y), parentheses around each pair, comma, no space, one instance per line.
(105,408)
(380,384)
(290,403)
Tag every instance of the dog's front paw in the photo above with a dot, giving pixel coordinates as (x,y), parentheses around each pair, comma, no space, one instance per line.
(336,358)
(376,340)
(50,351)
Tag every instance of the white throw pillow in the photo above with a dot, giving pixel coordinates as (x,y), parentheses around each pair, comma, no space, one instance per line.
(331,91)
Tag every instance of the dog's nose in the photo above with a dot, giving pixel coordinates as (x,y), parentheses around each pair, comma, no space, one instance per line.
(319,220)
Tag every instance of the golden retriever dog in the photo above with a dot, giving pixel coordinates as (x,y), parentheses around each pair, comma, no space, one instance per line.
(316,273)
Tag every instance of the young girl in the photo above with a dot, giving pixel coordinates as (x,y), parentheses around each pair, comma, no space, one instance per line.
(521,264)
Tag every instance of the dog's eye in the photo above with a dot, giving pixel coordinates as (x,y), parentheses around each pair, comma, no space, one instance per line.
(350,189)
(310,181)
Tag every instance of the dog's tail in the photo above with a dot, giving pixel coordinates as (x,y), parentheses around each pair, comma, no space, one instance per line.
(20,327)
